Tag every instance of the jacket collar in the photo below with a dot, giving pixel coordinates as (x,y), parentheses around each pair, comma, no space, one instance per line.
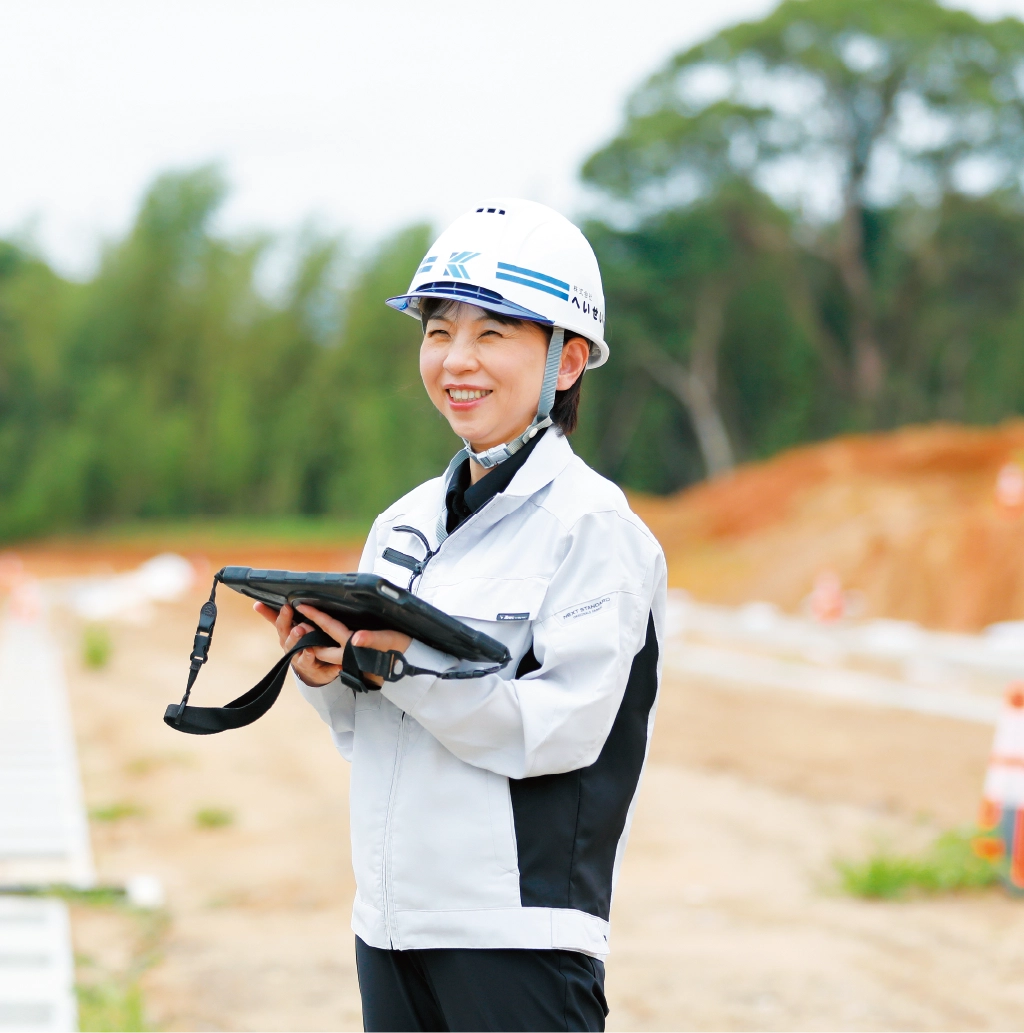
(551,456)
(548,459)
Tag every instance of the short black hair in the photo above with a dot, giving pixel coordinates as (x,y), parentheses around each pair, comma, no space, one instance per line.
(565,411)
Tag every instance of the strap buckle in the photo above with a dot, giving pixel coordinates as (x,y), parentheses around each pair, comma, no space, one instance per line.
(390,665)
(204,634)
(200,645)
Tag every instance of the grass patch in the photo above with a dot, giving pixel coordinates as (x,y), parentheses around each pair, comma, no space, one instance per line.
(116,811)
(96,896)
(97,647)
(110,1000)
(214,818)
(950,864)
(142,766)
(109,1007)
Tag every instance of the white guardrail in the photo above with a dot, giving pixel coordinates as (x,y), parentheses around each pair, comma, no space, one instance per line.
(36,966)
(44,835)
(881,662)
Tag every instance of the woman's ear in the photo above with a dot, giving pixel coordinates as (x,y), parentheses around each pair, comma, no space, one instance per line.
(575,353)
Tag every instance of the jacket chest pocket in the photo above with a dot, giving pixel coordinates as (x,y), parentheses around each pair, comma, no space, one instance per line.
(497,601)
(504,608)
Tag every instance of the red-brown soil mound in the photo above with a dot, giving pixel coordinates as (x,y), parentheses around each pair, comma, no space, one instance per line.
(910,519)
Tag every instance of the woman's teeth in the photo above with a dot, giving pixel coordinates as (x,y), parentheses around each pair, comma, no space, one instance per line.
(459,394)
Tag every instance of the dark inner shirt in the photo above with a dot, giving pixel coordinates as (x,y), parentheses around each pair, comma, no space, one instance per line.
(464,499)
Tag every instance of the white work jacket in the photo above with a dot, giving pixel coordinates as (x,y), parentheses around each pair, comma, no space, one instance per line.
(493,812)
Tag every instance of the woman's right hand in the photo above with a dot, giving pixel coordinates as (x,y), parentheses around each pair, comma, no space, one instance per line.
(315,666)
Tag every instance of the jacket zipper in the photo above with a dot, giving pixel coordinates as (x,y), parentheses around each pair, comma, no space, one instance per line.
(389,910)
(441,545)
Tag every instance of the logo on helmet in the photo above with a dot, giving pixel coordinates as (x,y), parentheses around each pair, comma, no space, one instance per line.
(456,266)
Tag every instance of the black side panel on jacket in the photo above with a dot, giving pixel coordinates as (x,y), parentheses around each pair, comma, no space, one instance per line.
(569,825)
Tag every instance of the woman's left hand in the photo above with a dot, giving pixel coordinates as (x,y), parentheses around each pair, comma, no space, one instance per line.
(382,640)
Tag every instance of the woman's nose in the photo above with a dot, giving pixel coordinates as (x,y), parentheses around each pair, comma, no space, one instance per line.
(461,355)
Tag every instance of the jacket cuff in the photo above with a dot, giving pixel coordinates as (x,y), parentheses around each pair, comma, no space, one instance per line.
(331,701)
(407,692)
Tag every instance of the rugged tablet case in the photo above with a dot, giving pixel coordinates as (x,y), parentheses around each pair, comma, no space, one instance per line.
(366,601)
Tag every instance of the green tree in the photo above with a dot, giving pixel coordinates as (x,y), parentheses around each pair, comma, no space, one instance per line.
(165,385)
(854,102)
(37,308)
(709,308)
(389,437)
(950,288)
(170,385)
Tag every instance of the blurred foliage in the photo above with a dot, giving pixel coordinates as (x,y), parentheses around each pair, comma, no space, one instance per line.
(97,646)
(841,179)
(110,996)
(170,385)
(811,224)
(727,261)
(116,811)
(110,1007)
(214,818)
(950,863)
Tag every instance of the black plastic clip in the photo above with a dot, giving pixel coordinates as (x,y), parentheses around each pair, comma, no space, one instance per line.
(201,644)
(204,634)
(390,665)
(410,562)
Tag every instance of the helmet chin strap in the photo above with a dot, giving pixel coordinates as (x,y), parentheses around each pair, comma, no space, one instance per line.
(491,457)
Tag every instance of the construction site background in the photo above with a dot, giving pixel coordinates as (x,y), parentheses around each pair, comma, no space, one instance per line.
(811,230)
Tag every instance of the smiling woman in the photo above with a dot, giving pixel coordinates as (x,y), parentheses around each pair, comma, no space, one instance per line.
(483,371)
(484,884)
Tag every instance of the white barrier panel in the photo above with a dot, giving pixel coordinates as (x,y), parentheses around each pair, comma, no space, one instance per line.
(36,967)
(767,672)
(44,835)
(883,663)
(997,653)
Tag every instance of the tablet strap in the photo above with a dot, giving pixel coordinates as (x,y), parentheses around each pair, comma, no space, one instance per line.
(252,705)
(248,707)
(392,665)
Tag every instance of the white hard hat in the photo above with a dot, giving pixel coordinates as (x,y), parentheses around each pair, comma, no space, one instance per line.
(517,258)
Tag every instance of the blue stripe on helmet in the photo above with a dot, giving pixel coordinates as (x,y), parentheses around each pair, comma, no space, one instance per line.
(533,284)
(535,275)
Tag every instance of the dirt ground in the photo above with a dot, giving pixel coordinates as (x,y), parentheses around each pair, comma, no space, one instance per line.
(726,915)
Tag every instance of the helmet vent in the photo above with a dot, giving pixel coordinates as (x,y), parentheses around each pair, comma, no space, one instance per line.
(491,211)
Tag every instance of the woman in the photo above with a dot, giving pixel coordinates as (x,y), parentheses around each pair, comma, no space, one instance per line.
(489,815)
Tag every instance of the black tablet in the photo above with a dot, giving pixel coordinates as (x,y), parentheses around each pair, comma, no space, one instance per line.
(366,601)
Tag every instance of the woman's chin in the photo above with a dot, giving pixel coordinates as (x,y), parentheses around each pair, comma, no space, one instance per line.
(482,434)
(470,429)
(479,440)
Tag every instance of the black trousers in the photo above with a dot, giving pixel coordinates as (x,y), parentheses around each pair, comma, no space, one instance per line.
(456,989)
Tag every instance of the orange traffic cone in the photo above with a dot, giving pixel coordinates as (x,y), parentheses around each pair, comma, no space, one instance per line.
(1002,804)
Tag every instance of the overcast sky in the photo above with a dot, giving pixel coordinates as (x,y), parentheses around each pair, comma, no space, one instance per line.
(359,116)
